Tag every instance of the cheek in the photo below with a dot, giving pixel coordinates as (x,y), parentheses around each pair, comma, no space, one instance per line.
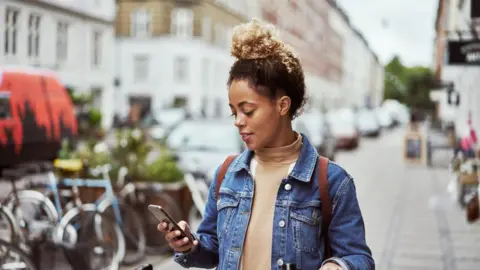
(265,123)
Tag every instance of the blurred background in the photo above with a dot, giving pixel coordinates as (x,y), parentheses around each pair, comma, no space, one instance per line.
(108,106)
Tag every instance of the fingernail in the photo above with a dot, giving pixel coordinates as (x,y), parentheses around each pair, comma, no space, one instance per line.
(177,233)
(195,242)
(185,239)
(164,225)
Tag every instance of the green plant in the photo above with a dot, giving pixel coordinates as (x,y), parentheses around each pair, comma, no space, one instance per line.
(94,117)
(164,169)
(131,150)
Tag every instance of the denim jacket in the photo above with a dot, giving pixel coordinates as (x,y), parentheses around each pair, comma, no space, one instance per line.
(298,239)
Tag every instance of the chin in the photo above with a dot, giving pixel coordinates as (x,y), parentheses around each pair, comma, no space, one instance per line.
(251,146)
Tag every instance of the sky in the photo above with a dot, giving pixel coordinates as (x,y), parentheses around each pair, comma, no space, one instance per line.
(396,27)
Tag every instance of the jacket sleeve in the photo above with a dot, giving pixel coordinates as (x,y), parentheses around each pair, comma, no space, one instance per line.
(347,230)
(205,254)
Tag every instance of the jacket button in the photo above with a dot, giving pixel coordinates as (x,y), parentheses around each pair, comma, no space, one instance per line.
(281,224)
(288,187)
(280,262)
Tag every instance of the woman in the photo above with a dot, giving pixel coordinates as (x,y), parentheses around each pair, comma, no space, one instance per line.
(267,212)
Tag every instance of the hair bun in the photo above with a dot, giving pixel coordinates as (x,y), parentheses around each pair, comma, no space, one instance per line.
(254,40)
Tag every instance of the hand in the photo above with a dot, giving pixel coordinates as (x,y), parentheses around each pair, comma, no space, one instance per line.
(172,236)
(331,266)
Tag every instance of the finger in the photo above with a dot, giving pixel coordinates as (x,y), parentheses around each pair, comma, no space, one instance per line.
(177,244)
(163,227)
(172,235)
(185,247)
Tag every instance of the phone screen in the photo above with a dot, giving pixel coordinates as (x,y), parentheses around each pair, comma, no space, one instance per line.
(163,216)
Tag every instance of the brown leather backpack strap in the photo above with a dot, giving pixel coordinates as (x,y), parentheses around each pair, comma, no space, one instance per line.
(326,202)
(222,172)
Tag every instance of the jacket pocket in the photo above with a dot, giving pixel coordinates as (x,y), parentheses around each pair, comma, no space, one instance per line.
(227,205)
(307,226)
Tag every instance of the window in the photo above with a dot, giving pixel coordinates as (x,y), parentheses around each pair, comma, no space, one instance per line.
(62,38)
(96,54)
(220,35)
(33,35)
(207,28)
(5,105)
(97,94)
(141,23)
(140,67)
(181,69)
(206,73)
(229,36)
(11,31)
(182,22)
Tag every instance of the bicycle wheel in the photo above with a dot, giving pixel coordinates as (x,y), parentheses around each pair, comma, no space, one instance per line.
(34,205)
(19,260)
(98,234)
(34,213)
(9,230)
(132,228)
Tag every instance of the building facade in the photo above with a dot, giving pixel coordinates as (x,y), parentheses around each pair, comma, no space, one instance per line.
(339,71)
(176,53)
(320,48)
(72,38)
(454,23)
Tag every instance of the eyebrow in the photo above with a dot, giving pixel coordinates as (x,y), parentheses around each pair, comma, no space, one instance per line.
(240,104)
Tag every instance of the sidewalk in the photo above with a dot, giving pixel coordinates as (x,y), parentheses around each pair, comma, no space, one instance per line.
(429,231)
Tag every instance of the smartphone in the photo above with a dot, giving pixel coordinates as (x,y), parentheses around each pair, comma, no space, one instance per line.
(163,216)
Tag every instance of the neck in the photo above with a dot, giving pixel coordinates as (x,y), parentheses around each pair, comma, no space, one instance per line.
(285,154)
(286,136)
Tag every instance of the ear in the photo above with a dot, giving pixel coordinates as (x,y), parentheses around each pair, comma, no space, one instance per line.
(283,105)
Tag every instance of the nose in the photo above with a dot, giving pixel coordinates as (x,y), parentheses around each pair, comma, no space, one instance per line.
(239,121)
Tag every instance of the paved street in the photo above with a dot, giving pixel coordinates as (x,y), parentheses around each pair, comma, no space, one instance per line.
(411,221)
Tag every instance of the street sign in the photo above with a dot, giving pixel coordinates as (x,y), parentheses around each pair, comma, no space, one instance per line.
(464,53)
(413,147)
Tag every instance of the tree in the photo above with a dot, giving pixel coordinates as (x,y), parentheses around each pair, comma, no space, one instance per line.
(409,85)
(395,80)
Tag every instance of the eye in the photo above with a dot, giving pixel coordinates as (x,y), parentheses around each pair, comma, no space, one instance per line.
(250,113)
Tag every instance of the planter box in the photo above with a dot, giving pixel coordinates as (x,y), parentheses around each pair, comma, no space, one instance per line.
(151,193)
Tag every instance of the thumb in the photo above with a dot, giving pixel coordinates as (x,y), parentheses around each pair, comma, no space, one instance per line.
(184,226)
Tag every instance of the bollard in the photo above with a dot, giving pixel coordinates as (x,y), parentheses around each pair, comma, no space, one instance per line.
(473,208)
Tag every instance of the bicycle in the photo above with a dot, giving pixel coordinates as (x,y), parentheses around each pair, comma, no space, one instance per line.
(21,260)
(125,216)
(80,222)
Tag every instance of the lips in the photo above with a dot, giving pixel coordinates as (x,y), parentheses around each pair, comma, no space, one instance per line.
(246,136)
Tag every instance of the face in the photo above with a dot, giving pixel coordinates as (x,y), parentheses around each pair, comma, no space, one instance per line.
(258,118)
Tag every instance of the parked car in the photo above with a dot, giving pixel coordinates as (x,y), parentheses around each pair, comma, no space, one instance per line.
(344,129)
(164,121)
(203,144)
(36,114)
(368,123)
(384,118)
(316,128)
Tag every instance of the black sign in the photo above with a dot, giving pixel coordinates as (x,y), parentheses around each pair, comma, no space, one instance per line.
(413,147)
(475,9)
(464,52)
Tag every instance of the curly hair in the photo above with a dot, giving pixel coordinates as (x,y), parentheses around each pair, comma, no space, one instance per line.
(269,65)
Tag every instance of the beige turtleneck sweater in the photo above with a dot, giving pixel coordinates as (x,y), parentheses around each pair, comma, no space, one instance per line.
(268,166)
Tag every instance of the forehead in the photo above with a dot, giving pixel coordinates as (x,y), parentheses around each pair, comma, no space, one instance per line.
(241,91)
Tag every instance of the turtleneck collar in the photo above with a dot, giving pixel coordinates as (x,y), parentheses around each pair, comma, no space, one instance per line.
(280,155)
